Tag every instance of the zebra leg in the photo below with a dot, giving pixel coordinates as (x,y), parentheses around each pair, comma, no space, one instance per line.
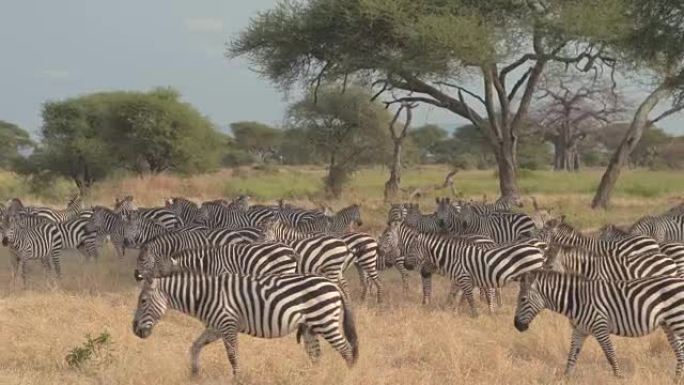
(311,344)
(453,293)
(364,281)
(490,294)
(678,347)
(16,264)
(344,286)
(332,334)
(499,302)
(230,341)
(56,263)
(426,279)
(404,276)
(208,336)
(603,338)
(466,285)
(576,343)
(367,268)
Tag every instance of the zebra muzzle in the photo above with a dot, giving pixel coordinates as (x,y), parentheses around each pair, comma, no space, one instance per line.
(5,241)
(136,274)
(521,326)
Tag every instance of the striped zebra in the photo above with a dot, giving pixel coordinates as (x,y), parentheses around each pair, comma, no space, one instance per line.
(318,253)
(364,249)
(266,307)
(164,216)
(31,238)
(341,222)
(504,204)
(75,235)
(186,209)
(556,231)
(469,266)
(600,308)
(137,230)
(106,223)
(153,253)
(613,233)
(675,251)
(389,249)
(423,223)
(662,229)
(73,209)
(611,269)
(397,212)
(295,216)
(500,227)
(217,215)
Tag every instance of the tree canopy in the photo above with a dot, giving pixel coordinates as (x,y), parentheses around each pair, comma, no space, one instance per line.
(13,140)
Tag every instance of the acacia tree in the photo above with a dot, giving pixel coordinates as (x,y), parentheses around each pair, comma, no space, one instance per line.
(432,49)
(13,139)
(345,129)
(656,46)
(571,110)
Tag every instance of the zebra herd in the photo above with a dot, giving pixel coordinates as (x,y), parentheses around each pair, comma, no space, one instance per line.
(270,270)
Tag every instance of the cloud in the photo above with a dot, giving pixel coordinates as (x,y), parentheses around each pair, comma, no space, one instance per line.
(204,24)
(53,73)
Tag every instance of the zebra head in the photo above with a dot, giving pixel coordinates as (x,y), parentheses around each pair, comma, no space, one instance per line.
(124,205)
(416,253)
(446,212)
(241,203)
(145,265)
(388,244)
(132,229)
(530,302)
(397,212)
(612,232)
(351,214)
(152,304)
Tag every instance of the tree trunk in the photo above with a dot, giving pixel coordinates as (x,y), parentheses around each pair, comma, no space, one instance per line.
(505,159)
(392,184)
(629,142)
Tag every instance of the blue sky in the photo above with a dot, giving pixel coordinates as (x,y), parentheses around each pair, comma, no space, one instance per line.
(59,49)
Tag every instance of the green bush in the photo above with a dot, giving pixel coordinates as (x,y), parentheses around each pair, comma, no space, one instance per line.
(97,347)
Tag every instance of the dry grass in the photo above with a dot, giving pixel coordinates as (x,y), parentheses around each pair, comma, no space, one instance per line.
(401,342)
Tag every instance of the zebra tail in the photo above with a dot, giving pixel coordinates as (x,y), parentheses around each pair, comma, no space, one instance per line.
(349,328)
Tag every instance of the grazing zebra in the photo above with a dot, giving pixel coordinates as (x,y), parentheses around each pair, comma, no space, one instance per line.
(556,231)
(186,209)
(662,229)
(266,307)
(106,223)
(162,247)
(600,308)
(137,230)
(423,223)
(162,215)
(31,238)
(397,212)
(611,269)
(318,253)
(469,266)
(365,251)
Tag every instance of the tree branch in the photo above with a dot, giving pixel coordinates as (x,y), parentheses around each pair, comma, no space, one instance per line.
(474,95)
(665,114)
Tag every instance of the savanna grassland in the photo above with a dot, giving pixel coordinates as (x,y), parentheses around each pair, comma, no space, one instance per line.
(401,342)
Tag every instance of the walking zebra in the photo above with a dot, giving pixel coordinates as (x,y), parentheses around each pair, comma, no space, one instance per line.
(601,308)
(162,247)
(662,229)
(423,223)
(186,209)
(611,269)
(32,239)
(162,215)
(556,231)
(318,253)
(469,266)
(265,307)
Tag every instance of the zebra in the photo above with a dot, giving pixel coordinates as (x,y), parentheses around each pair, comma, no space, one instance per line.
(397,212)
(501,227)
(600,308)
(106,223)
(72,211)
(75,235)
(294,216)
(318,253)
(556,231)
(162,247)
(267,307)
(186,209)
(389,244)
(675,251)
(504,204)
(423,223)
(611,269)
(613,233)
(164,216)
(217,215)
(662,229)
(137,230)
(364,249)
(31,238)
(341,222)
(469,266)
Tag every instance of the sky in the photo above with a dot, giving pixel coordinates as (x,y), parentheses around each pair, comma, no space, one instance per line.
(53,50)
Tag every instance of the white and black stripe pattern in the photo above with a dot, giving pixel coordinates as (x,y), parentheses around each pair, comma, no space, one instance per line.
(675,251)
(469,266)
(339,223)
(557,232)
(186,209)
(265,307)
(365,251)
(501,227)
(317,253)
(663,229)
(611,269)
(163,246)
(161,215)
(75,235)
(218,215)
(72,211)
(641,244)
(107,223)
(600,308)
(422,223)
(397,212)
(138,231)
(31,238)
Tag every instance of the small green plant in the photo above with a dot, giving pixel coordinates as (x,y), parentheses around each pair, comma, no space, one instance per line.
(93,347)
